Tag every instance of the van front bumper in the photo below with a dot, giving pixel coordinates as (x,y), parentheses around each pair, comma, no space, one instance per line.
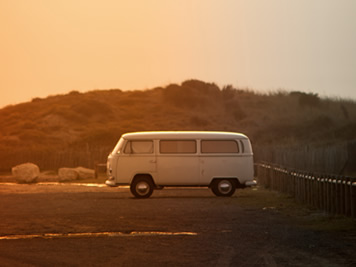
(250,183)
(111,182)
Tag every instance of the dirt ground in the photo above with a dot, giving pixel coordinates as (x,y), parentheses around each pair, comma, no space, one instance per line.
(80,225)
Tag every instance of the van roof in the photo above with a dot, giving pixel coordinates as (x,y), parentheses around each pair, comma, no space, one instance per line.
(184,135)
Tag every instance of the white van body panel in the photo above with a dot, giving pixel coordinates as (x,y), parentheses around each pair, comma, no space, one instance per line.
(127,166)
(194,167)
(178,170)
(234,167)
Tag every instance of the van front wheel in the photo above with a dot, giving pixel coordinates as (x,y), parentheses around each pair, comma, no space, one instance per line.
(223,187)
(142,187)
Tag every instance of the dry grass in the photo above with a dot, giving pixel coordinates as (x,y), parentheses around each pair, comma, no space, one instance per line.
(98,118)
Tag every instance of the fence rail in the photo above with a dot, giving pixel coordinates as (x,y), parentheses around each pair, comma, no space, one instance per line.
(53,160)
(330,193)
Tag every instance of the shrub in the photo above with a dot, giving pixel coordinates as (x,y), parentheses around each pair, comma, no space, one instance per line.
(307,100)
(91,108)
(74,93)
(198,121)
(186,96)
(228,92)
(36,99)
(233,107)
(208,89)
(322,122)
(32,136)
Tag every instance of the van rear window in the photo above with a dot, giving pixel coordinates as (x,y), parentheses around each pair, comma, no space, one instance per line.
(178,146)
(219,146)
(139,147)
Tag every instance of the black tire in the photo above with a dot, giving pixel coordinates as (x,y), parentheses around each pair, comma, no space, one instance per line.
(223,187)
(142,187)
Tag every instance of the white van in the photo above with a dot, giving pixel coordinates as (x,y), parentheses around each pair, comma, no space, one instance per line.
(146,161)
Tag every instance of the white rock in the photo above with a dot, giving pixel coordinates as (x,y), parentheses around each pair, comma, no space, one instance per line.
(85,173)
(26,172)
(67,174)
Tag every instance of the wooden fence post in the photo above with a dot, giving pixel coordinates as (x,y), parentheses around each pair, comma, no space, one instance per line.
(347,196)
(322,193)
(353,197)
(319,193)
(342,196)
(268,176)
(330,193)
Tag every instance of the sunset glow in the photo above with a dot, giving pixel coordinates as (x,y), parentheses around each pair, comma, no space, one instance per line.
(53,47)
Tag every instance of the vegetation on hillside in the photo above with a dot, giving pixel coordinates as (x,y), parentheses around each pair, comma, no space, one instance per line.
(83,122)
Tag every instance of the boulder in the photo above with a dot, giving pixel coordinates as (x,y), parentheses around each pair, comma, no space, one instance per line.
(85,173)
(79,173)
(26,172)
(67,174)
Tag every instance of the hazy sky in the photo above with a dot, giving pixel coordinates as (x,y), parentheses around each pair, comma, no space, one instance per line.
(52,47)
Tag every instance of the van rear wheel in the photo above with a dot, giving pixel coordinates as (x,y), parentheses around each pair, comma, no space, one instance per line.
(223,187)
(142,187)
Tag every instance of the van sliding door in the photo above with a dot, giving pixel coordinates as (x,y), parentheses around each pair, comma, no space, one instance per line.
(177,163)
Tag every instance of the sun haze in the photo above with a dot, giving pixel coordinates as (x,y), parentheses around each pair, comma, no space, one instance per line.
(53,47)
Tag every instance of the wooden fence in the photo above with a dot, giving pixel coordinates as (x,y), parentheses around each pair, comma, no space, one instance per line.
(52,160)
(339,158)
(330,193)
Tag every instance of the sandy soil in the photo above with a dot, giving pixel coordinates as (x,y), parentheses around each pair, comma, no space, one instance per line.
(77,225)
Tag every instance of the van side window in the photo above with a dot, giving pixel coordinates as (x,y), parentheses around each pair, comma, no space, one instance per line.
(219,146)
(139,147)
(178,146)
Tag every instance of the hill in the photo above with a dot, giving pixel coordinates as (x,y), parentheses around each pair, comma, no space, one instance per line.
(84,127)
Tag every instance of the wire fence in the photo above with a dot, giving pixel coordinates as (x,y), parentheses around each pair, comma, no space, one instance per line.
(339,158)
(333,194)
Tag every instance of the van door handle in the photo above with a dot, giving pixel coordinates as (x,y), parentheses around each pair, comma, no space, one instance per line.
(152,161)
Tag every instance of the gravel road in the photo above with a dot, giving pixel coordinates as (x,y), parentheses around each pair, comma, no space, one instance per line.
(77,225)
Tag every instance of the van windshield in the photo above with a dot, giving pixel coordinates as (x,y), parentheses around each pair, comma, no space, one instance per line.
(118,147)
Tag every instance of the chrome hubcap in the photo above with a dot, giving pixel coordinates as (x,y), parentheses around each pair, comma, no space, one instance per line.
(142,188)
(225,187)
